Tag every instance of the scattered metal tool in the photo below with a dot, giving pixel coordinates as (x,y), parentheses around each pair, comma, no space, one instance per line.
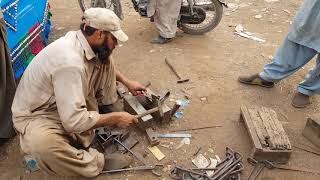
(230,168)
(258,167)
(180,80)
(194,129)
(292,168)
(152,137)
(174,135)
(197,152)
(154,168)
(307,150)
(138,156)
(159,102)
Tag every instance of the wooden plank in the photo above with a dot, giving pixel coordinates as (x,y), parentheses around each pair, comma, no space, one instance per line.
(259,128)
(275,131)
(284,136)
(250,127)
(266,121)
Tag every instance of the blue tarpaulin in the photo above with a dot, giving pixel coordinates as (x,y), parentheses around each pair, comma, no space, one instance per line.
(28,27)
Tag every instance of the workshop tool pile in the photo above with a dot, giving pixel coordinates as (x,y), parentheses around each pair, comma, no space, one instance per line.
(228,169)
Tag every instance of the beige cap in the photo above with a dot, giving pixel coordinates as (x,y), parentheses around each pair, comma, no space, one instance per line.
(105,20)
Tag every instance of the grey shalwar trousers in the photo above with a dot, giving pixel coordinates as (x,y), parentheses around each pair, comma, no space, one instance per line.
(289,58)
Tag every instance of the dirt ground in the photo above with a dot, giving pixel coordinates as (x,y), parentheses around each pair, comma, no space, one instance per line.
(213,62)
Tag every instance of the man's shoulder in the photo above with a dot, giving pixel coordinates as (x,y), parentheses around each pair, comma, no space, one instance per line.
(64,49)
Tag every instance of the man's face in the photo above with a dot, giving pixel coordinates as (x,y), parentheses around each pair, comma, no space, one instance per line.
(104,43)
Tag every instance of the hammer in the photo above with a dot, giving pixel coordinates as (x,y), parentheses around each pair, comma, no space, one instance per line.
(180,80)
(159,102)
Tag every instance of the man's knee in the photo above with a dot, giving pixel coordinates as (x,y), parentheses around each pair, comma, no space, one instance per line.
(45,144)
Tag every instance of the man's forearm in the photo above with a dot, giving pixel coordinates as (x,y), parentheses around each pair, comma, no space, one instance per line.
(108,119)
(121,78)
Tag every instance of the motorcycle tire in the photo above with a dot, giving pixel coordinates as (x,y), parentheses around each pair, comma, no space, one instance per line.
(211,25)
(117,9)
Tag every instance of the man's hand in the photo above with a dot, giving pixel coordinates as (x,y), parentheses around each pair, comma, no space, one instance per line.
(125,119)
(120,119)
(135,87)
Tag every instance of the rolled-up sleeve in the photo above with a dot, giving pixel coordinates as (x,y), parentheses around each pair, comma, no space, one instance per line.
(70,87)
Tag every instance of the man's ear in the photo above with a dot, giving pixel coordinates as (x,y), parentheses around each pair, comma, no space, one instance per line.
(97,34)
(101,34)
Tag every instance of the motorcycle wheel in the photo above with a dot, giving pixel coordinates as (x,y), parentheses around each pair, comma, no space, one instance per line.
(113,5)
(214,10)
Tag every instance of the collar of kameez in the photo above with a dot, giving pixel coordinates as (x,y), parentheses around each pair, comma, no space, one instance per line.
(85,45)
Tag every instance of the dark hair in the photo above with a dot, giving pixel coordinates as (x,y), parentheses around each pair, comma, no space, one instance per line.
(87,31)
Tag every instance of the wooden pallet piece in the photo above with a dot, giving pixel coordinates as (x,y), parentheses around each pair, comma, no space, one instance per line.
(254,118)
(284,136)
(250,127)
(258,126)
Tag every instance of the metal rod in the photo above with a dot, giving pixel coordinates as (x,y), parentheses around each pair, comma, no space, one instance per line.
(138,156)
(194,129)
(307,150)
(137,168)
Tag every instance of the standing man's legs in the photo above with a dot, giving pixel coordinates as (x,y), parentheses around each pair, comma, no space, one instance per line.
(311,84)
(289,58)
(166,18)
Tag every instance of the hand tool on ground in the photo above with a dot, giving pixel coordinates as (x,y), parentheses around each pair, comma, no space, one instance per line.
(194,129)
(153,168)
(152,137)
(292,168)
(258,167)
(138,156)
(174,135)
(141,159)
(159,102)
(180,80)
(229,168)
(307,150)
(197,152)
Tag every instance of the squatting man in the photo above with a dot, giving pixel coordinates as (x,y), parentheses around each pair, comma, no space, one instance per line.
(56,105)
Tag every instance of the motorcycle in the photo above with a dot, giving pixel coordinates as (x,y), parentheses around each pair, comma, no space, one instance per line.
(196,16)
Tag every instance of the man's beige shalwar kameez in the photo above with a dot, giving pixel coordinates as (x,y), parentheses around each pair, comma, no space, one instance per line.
(56,105)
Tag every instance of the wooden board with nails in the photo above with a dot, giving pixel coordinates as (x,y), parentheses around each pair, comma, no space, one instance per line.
(267,134)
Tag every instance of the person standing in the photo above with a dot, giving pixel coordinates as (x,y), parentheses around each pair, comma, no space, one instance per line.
(166,15)
(298,48)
